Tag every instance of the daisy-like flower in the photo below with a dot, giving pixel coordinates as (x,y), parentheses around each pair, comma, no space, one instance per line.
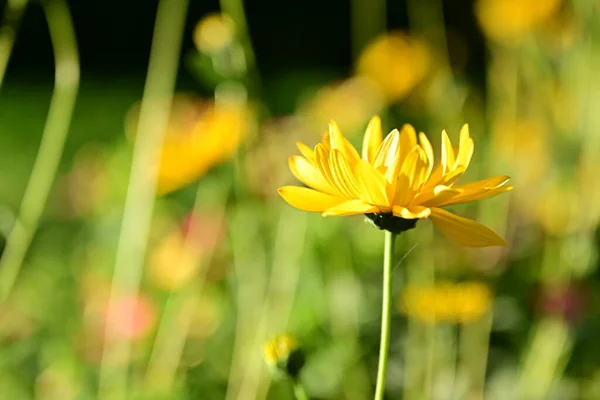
(394,182)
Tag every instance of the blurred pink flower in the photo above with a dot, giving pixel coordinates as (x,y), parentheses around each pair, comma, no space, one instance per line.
(567,301)
(133,319)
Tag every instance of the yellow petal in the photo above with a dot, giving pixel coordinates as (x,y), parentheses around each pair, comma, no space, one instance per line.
(350,207)
(447,154)
(484,194)
(413,212)
(421,169)
(404,189)
(372,139)
(342,174)
(480,190)
(388,149)
(408,140)
(308,199)
(372,186)
(452,176)
(322,159)
(488,183)
(336,139)
(436,196)
(466,148)
(326,142)
(310,175)
(464,231)
(307,152)
(339,142)
(428,148)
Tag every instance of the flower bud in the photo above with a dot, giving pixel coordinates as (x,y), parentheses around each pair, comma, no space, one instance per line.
(284,356)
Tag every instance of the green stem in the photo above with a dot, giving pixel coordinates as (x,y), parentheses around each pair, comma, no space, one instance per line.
(13,14)
(235,10)
(141,191)
(299,392)
(388,255)
(62,103)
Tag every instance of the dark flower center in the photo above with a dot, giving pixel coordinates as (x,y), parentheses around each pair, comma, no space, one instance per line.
(389,222)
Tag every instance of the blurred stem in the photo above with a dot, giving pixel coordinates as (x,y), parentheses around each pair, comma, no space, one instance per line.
(248,283)
(170,339)
(13,13)
(384,346)
(62,103)
(139,202)
(427,21)
(235,10)
(299,392)
(368,20)
(179,309)
(421,336)
(279,298)
(474,349)
(545,359)
(448,352)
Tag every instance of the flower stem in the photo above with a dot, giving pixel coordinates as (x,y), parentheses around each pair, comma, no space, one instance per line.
(384,346)
(299,392)
(62,103)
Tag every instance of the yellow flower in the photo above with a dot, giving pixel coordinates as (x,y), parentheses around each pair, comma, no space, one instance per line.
(214,32)
(200,135)
(284,356)
(509,19)
(446,301)
(395,62)
(279,348)
(394,182)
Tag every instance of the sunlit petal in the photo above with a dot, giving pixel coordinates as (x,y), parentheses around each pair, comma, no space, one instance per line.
(436,196)
(413,212)
(307,152)
(322,159)
(308,199)
(388,149)
(404,191)
(447,153)
(339,142)
(466,148)
(342,174)
(488,183)
(474,196)
(350,207)
(372,185)
(310,175)
(464,231)
(372,140)
(408,140)
(428,148)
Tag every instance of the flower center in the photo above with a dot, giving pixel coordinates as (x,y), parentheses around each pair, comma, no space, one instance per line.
(390,222)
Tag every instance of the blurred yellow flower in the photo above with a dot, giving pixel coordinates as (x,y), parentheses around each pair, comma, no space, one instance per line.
(394,182)
(351,103)
(446,301)
(214,32)
(508,19)
(551,209)
(178,256)
(279,348)
(525,146)
(200,135)
(395,62)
